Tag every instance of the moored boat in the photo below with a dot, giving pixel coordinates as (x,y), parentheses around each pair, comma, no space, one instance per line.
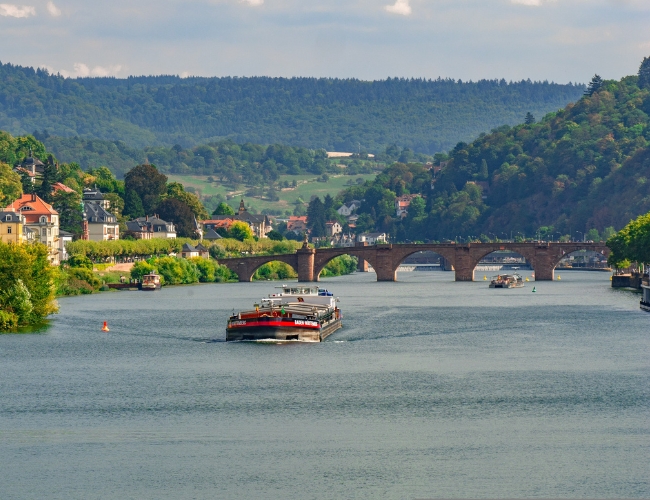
(507,281)
(645,287)
(303,313)
(150,282)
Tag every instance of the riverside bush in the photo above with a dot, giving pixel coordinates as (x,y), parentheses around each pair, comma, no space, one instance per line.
(27,285)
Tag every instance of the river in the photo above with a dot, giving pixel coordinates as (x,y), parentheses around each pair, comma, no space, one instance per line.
(432,389)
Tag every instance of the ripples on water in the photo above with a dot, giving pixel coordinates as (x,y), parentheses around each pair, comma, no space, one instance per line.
(432,389)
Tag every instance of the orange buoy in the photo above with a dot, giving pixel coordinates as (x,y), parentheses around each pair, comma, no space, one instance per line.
(105,327)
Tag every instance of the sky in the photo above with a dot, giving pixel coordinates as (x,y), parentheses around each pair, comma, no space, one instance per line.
(556,40)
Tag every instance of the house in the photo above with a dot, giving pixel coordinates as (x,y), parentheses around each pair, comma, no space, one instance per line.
(203,252)
(11,227)
(64,238)
(333,227)
(42,219)
(188,251)
(146,228)
(343,240)
(347,208)
(101,224)
(402,204)
(297,224)
(372,238)
(31,166)
(259,224)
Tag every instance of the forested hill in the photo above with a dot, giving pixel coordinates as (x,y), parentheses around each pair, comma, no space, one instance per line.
(582,168)
(424,115)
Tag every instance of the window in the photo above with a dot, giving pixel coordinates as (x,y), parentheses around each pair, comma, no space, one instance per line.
(7,218)
(43,219)
(44,232)
(8,229)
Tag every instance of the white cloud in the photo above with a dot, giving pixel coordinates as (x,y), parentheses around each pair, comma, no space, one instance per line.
(9,10)
(400,7)
(530,3)
(254,3)
(81,70)
(53,9)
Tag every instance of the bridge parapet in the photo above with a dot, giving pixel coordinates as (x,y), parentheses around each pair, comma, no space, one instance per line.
(386,258)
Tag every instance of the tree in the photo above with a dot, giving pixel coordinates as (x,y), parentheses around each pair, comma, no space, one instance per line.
(416,208)
(594,86)
(632,243)
(70,212)
(148,183)
(11,187)
(223,209)
(644,74)
(530,119)
(27,282)
(177,191)
(173,210)
(240,231)
(275,235)
(26,182)
(316,217)
(44,191)
(116,206)
(133,204)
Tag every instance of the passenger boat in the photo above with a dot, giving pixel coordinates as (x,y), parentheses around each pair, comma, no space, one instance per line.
(507,281)
(303,313)
(150,282)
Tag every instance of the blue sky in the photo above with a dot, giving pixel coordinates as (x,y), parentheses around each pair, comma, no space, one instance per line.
(559,40)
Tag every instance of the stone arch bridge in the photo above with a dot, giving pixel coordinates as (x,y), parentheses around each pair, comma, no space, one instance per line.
(385,259)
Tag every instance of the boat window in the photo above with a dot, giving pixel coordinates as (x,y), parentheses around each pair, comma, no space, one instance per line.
(295,290)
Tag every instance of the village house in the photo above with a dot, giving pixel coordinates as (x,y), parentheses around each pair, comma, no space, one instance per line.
(42,219)
(259,224)
(101,224)
(188,251)
(11,227)
(297,224)
(146,228)
(333,228)
(31,166)
(402,204)
(372,238)
(347,208)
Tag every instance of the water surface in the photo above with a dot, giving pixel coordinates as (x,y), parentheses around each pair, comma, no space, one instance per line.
(432,389)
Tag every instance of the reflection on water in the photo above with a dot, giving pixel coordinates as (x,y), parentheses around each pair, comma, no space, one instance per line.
(432,389)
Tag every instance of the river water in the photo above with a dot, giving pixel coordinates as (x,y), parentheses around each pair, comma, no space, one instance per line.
(432,389)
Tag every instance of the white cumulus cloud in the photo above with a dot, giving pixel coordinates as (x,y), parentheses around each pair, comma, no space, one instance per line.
(81,70)
(400,7)
(254,3)
(9,10)
(53,9)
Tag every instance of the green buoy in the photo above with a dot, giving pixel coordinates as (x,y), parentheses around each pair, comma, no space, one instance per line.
(534,289)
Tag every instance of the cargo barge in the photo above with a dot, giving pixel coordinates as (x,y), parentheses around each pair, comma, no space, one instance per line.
(507,281)
(299,313)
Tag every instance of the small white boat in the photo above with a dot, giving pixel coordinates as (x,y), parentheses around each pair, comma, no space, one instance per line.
(507,281)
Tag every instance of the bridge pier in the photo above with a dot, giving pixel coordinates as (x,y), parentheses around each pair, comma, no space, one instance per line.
(464,264)
(384,260)
(306,264)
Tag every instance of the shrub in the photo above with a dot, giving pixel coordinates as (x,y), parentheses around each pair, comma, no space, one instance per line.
(8,321)
(80,261)
(141,268)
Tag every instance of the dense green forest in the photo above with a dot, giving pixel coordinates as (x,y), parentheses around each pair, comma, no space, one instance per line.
(582,168)
(426,116)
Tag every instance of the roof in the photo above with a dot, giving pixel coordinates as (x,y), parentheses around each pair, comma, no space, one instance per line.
(93,194)
(59,186)
(201,248)
(372,235)
(97,214)
(13,216)
(65,234)
(219,222)
(146,224)
(211,234)
(295,218)
(188,248)
(32,207)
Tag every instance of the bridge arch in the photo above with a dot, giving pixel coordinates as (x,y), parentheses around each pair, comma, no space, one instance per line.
(245,267)
(603,252)
(509,253)
(324,256)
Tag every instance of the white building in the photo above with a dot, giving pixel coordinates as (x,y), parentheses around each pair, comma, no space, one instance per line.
(372,238)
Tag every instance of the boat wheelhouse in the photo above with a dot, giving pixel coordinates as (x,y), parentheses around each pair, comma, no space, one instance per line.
(507,281)
(297,312)
(150,282)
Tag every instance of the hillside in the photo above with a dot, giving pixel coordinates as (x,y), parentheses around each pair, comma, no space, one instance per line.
(582,168)
(426,116)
